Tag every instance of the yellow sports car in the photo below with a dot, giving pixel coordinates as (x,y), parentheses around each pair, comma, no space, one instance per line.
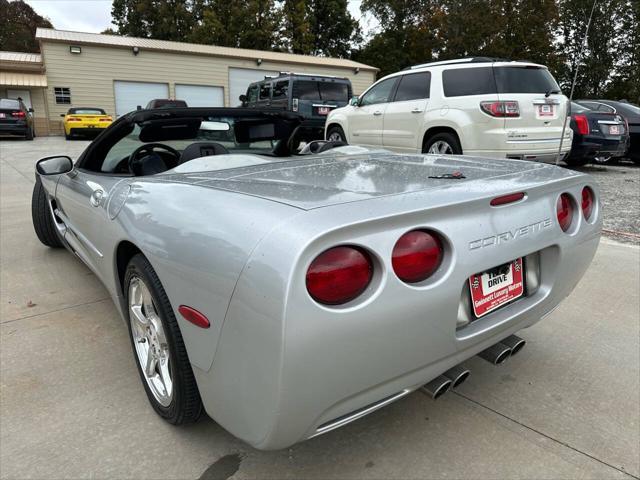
(85,121)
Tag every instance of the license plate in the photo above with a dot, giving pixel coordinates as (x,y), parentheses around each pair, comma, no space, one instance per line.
(323,110)
(614,130)
(545,110)
(2,115)
(496,287)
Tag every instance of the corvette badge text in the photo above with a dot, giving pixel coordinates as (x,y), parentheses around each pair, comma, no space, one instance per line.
(510,235)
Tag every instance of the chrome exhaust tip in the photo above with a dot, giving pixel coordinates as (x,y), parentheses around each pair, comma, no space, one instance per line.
(515,343)
(437,387)
(457,375)
(496,354)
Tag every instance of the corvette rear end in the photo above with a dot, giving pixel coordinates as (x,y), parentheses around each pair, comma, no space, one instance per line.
(288,294)
(393,272)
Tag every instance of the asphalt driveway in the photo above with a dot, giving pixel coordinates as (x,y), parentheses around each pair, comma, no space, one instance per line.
(72,405)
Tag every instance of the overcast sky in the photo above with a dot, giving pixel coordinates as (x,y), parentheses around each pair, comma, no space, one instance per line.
(95,15)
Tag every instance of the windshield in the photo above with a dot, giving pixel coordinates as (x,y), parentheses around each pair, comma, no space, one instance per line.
(577,108)
(86,111)
(318,90)
(253,135)
(629,108)
(525,80)
(5,103)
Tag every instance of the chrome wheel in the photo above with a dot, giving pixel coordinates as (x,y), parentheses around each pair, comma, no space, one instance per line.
(150,341)
(441,147)
(335,137)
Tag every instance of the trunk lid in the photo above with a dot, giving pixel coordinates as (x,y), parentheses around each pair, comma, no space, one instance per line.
(334,179)
(541,116)
(609,125)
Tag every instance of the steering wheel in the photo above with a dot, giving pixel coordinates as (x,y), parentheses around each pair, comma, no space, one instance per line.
(148,148)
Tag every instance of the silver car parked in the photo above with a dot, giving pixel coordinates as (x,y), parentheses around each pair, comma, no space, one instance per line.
(287,294)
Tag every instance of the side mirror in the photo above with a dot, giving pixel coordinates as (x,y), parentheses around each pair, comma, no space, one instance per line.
(54,165)
(62,114)
(354,102)
(31,110)
(243,98)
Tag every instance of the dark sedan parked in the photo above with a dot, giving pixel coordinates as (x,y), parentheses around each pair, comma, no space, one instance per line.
(15,118)
(631,114)
(597,136)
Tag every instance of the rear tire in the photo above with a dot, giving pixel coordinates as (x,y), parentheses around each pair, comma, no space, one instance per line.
(67,136)
(29,135)
(336,134)
(180,402)
(577,162)
(43,222)
(442,144)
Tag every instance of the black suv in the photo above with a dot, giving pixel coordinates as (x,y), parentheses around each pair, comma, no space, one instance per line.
(16,118)
(312,96)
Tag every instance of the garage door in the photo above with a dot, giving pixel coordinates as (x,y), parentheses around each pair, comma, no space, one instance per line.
(131,94)
(239,80)
(25,95)
(200,95)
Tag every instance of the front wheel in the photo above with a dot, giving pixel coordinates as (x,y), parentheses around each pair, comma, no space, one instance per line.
(442,144)
(336,134)
(158,347)
(42,218)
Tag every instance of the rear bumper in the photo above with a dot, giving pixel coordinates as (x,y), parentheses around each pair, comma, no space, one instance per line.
(287,369)
(537,156)
(14,129)
(581,150)
(614,148)
(88,131)
(634,145)
(546,154)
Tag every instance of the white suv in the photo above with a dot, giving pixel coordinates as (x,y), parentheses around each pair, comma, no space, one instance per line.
(475,106)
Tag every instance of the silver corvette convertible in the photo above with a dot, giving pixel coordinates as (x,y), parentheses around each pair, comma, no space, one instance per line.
(289,293)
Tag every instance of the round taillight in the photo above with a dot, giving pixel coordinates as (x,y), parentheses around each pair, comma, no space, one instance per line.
(564,210)
(588,199)
(416,256)
(339,275)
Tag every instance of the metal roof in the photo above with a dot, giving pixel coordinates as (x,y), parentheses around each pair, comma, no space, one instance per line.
(48,34)
(20,57)
(18,79)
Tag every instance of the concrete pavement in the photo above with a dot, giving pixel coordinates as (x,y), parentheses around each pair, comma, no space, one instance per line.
(72,405)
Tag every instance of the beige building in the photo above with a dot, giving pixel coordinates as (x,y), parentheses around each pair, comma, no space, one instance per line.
(119,73)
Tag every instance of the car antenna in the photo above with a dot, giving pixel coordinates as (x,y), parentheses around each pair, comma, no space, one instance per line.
(575,77)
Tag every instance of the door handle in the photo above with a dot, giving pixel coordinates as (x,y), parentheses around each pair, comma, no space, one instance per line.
(96,197)
(416,110)
(377,112)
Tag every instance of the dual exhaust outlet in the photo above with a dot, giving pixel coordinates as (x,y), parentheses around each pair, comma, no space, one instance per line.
(495,354)
(501,351)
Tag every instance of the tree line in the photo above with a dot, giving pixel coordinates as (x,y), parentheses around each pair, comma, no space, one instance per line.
(409,32)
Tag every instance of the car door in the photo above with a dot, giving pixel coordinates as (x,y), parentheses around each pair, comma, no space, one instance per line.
(366,119)
(404,116)
(81,202)
(264,95)
(280,95)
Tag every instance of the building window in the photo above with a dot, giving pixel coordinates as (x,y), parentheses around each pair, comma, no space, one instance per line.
(63,95)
